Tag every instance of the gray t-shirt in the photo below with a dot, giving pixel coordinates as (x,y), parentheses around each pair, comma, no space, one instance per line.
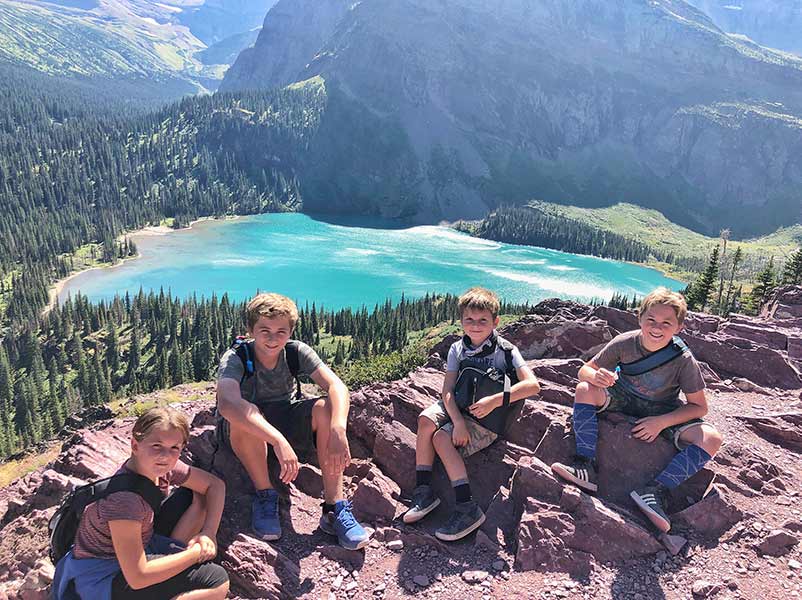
(664,382)
(497,360)
(268,385)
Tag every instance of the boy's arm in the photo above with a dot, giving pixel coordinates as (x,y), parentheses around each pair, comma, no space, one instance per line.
(340,401)
(526,387)
(593,374)
(459,436)
(648,428)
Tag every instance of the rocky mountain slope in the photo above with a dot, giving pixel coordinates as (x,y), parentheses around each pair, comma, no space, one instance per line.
(130,38)
(441,110)
(773,23)
(735,532)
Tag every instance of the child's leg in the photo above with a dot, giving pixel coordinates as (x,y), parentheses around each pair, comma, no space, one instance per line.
(321,426)
(424,450)
(207,581)
(217,593)
(453,463)
(587,401)
(703,442)
(252,453)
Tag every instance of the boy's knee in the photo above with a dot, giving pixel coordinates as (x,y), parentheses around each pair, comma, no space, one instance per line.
(587,393)
(441,437)
(713,439)
(425,426)
(321,413)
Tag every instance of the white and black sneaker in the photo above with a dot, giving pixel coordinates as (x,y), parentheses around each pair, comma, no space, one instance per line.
(651,500)
(582,473)
(423,502)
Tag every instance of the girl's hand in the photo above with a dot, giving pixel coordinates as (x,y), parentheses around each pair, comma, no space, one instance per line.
(208,546)
(482,408)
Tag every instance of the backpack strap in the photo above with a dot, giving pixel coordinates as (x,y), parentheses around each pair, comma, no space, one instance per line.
(291,353)
(656,359)
(507,348)
(243,347)
(129,482)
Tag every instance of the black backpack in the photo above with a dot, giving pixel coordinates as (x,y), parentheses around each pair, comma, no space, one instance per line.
(64,523)
(474,383)
(243,347)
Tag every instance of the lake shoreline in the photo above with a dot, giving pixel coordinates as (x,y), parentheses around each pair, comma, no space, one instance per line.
(148,231)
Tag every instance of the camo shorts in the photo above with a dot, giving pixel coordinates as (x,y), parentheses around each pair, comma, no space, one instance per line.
(619,400)
(479,437)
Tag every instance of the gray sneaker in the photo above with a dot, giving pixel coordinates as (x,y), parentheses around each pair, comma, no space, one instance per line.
(466,517)
(582,473)
(423,502)
(651,499)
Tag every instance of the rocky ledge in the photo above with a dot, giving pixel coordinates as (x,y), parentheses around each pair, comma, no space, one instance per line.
(735,526)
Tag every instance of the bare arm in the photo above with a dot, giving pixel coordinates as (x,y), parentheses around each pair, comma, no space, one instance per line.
(246,415)
(448,397)
(139,572)
(214,489)
(337,391)
(595,375)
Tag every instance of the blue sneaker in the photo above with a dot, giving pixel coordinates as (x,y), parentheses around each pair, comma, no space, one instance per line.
(264,515)
(341,522)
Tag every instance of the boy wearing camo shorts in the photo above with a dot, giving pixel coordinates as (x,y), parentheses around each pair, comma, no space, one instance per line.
(454,435)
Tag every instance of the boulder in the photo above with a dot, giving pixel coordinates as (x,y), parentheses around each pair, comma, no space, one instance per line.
(620,320)
(711,516)
(558,337)
(257,570)
(777,543)
(375,496)
(760,333)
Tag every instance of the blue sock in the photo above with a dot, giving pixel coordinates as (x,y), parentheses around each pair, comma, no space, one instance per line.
(586,429)
(684,465)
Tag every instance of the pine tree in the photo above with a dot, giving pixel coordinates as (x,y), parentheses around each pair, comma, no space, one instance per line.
(701,289)
(766,283)
(792,273)
(112,347)
(737,259)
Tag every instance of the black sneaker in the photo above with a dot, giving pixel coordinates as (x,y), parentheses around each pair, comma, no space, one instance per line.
(582,473)
(651,499)
(423,502)
(466,517)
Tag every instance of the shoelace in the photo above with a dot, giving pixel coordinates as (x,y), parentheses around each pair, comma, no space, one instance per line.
(345,516)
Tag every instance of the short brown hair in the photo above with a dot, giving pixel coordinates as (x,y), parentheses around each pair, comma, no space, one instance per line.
(478,298)
(271,306)
(667,297)
(160,417)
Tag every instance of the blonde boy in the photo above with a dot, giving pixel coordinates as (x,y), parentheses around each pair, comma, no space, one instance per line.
(259,412)
(652,396)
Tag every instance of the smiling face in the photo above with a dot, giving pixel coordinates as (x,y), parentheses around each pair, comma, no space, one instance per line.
(270,335)
(155,454)
(478,324)
(658,325)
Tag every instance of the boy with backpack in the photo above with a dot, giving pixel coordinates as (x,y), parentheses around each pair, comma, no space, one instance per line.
(256,384)
(485,374)
(641,373)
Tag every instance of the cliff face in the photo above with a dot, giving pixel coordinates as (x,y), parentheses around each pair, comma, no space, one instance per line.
(587,102)
(773,23)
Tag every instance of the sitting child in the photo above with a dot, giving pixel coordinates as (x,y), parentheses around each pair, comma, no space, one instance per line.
(621,378)
(122,552)
(453,434)
(260,404)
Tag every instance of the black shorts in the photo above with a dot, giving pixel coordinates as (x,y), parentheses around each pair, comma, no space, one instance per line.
(205,576)
(292,419)
(619,400)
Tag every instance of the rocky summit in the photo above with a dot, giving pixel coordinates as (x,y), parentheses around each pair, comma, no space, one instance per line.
(735,533)
(443,110)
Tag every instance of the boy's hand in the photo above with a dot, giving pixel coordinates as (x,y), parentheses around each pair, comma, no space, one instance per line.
(339,451)
(460,436)
(287,459)
(604,378)
(208,546)
(482,408)
(648,428)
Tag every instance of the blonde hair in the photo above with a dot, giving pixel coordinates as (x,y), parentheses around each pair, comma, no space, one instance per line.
(665,297)
(271,306)
(161,417)
(479,298)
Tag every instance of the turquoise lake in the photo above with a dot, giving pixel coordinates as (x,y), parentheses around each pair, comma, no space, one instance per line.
(347,264)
